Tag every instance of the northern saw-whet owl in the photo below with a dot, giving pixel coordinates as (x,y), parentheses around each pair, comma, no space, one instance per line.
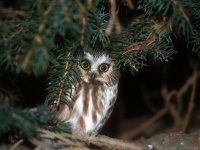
(95,94)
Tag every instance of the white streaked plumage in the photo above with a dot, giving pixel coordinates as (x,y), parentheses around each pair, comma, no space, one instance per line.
(95,95)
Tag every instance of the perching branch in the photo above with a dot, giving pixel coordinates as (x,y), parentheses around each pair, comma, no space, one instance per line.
(100,141)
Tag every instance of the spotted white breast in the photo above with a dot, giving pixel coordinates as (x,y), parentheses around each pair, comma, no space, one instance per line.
(95,94)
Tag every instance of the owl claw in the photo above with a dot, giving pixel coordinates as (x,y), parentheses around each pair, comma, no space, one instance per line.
(94,133)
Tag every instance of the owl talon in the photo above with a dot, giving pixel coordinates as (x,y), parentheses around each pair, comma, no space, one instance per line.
(94,133)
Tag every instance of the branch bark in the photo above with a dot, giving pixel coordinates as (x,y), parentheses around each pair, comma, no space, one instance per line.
(100,141)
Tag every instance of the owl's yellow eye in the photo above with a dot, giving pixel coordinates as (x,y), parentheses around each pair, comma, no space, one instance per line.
(104,67)
(85,65)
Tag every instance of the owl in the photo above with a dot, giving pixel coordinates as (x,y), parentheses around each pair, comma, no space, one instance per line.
(94,96)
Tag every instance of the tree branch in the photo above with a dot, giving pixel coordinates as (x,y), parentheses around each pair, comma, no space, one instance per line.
(16,144)
(100,141)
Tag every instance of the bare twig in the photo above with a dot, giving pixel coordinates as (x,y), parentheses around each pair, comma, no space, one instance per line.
(130,4)
(167,97)
(169,106)
(143,45)
(16,144)
(133,49)
(134,68)
(191,103)
(147,100)
(185,87)
(146,124)
(179,121)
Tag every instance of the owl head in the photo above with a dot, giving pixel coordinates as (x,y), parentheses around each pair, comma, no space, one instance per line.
(98,67)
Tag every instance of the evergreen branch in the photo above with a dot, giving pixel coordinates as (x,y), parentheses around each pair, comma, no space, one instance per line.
(62,82)
(132,49)
(133,67)
(17,32)
(161,8)
(81,9)
(89,5)
(49,8)
(62,21)
(26,60)
(156,42)
(181,10)
(44,49)
(194,41)
(129,47)
(96,29)
(67,17)
(82,19)
(38,37)
(117,24)
(63,78)
(83,30)
(39,4)
(29,121)
(113,19)
(142,46)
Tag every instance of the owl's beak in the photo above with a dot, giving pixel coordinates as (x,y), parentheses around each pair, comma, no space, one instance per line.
(92,77)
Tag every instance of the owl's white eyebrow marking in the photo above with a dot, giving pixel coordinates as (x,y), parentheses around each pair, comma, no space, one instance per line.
(87,54)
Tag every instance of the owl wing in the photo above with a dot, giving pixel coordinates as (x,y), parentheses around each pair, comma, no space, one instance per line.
(63,109)
(107,115)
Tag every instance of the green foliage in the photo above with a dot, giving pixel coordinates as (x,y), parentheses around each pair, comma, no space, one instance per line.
(175,9)
(64,71)
(50,35)
(29,121)
(27,41)
(95,32)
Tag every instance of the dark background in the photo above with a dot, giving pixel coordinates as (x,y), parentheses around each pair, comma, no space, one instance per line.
(131,109)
